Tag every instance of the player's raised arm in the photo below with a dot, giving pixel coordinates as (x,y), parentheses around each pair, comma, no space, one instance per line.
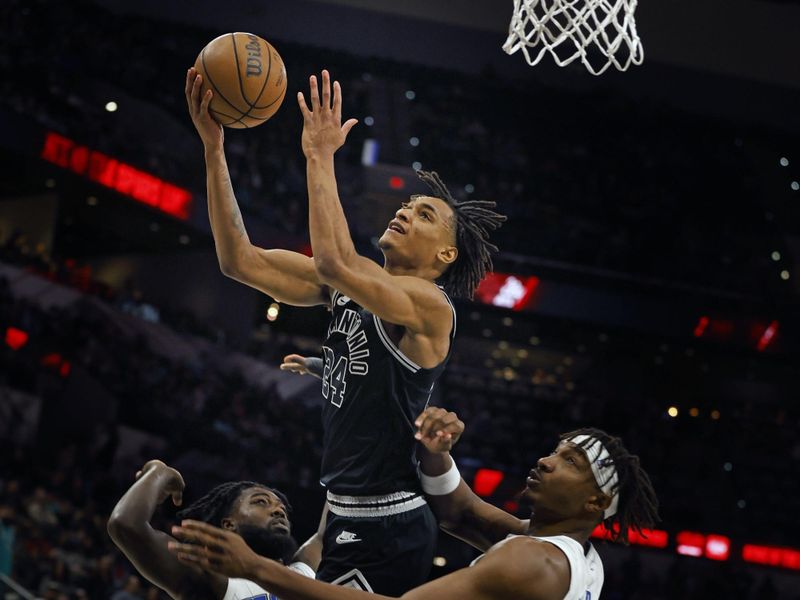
(286,276)
(460,511)
(130,529)
(404,300)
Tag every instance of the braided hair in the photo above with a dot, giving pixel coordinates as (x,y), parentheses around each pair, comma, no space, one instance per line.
(218,503)
(473,221)
(638,504)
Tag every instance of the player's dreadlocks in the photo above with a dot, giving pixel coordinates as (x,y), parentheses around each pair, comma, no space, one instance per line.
(638,504)
(217,504)
(473,220)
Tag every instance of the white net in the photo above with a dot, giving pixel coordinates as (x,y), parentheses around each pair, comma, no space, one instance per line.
(600,33)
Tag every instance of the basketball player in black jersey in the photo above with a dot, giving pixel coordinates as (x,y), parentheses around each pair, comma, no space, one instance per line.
(389,339)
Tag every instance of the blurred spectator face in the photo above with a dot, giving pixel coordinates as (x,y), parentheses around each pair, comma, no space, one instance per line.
(133,585)
(421,229)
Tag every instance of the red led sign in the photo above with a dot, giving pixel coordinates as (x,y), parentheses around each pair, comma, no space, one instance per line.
(16,338)
(486,481)
(788,558)
(653,538)
(111,173)
(510,291)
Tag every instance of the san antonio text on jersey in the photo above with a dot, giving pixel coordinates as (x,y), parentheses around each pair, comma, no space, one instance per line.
(372,393)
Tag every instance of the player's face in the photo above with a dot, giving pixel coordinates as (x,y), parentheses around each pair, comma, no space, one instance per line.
(260,517)
(421,228)
(561,484)
(260,507)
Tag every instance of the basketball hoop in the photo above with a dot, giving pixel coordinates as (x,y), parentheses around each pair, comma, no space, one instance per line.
(599,32)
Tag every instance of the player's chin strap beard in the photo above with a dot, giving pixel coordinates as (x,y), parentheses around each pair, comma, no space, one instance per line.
(603,469)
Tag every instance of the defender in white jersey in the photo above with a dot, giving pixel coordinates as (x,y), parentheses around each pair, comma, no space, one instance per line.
(590,478)
(256,512)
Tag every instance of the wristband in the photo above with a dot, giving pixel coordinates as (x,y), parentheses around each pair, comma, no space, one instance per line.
(440,485)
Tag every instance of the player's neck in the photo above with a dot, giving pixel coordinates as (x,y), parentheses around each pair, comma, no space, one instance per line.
(576,529)
(405,270)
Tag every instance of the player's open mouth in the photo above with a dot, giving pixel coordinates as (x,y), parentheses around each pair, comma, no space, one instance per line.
(281,524)
(533,479)
(396,227)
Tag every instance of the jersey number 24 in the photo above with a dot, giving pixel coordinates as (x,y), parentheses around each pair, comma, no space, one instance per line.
(333,377)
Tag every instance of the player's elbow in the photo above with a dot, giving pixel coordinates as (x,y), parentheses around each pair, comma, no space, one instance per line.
(229,268)
(122,527)
(117,528)
(234,264)
(329,270)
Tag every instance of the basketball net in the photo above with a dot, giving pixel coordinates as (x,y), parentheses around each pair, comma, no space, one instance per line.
(600,33)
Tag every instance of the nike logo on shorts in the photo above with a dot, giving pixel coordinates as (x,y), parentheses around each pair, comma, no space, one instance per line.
(345,537)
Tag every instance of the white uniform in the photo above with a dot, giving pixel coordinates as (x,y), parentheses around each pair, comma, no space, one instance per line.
(586,568)
(243,589)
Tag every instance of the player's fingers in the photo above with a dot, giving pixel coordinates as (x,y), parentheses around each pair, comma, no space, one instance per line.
(195,95)
(337,100)
(187,87)
(208,532)
(204,104)
(430,424)
(326,89)
(348,126)
(294,358)
(177,498)
(301,102)
(421,417)
(314,89)
(428,413)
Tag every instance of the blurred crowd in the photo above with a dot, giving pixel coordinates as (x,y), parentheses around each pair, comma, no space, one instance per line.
(590,179)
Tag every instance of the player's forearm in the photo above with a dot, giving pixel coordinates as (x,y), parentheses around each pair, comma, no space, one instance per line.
(135,509)
(330,236)
(230,236)
(447,507)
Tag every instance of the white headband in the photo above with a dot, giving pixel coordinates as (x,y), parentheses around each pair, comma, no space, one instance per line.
(605,473)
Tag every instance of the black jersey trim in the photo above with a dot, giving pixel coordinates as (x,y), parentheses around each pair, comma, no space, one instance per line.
(394,350)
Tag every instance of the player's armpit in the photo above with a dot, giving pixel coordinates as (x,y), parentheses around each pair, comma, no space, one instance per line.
(412,302)
(467,517)
(287,276)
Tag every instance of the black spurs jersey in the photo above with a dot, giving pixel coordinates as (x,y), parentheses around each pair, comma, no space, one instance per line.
(371,394)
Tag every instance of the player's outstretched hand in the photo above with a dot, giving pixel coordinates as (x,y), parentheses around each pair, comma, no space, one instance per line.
(323,132)
(170,481)
(210,131)
(302,365)
(438,430)
(213,549)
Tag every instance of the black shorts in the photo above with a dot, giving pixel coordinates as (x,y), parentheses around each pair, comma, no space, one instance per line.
(378,551)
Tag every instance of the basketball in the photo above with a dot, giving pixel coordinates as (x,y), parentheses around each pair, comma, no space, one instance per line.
(247,77)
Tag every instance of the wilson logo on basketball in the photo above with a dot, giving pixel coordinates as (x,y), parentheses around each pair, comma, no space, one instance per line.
(253,56)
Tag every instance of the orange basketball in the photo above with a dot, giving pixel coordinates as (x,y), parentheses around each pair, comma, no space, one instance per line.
(247,76)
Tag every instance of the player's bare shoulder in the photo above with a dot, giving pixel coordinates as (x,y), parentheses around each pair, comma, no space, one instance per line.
(534,569)
(433,305)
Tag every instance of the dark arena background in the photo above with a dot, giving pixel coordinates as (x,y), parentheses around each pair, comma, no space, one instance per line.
(647,280)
